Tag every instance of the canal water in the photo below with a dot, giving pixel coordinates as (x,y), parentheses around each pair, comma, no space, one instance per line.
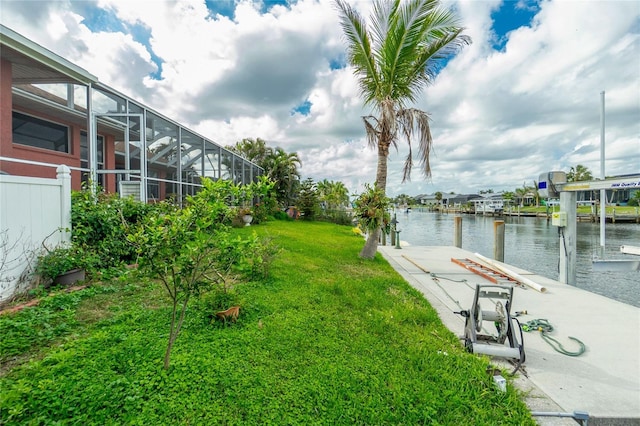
(532,243)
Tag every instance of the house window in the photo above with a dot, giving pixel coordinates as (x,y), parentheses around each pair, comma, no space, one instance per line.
(32,131)
(84,156)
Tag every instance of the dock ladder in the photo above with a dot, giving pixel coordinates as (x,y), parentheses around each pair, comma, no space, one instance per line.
(490,274)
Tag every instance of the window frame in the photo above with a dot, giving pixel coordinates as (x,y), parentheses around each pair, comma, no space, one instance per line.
(48,124)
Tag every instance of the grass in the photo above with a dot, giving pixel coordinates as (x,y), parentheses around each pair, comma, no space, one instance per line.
(328,338)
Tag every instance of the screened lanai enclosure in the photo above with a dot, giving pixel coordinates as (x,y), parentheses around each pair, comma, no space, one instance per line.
(170,158)
(62,114)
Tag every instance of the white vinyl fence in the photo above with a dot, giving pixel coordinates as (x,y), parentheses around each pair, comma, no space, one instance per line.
(33,212)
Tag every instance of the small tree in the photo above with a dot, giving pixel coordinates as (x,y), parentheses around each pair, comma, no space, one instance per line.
(308,199)
(190,250)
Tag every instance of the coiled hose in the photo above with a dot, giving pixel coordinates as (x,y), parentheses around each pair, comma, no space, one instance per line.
(544,327)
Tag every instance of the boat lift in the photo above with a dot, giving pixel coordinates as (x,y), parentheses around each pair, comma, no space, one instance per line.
(553,184)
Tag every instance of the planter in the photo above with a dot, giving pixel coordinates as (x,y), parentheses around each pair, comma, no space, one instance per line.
(247,219)
(70,277)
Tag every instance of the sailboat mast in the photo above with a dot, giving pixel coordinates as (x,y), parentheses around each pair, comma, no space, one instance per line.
(603,192)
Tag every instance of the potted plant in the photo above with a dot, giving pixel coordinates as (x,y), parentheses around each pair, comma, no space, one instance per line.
(245,214)
(62,265)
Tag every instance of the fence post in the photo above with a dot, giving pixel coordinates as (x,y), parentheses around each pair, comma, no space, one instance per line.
(64,179)
(457,231)
(498,240)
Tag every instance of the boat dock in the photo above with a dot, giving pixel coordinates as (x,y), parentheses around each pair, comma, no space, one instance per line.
(603,382)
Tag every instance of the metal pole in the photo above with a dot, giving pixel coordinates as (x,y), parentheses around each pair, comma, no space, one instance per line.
(603,192)
(498,240)
(457,231)
(92,141)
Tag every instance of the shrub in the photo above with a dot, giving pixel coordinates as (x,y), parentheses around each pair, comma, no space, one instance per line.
(100,222)
(58,261)
(280,215)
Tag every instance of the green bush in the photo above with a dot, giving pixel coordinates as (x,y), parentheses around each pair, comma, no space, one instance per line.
(100,225)
(60,260)
(339,217)
(280,215)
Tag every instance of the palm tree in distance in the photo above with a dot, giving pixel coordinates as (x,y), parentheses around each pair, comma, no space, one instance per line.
(579,173)
(282,168)
(254,150)
(394,57)
(334,194)
(278,165)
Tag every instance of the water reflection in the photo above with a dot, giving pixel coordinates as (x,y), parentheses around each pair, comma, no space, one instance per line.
(533,244)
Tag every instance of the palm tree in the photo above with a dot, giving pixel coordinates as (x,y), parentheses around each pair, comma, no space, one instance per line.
(338,196)
(282,168)
(335,195)
(254,150)
(536,193)
(579,173)
(394,58)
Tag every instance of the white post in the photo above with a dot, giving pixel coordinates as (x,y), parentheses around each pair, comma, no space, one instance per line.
(64,178)
(568,245)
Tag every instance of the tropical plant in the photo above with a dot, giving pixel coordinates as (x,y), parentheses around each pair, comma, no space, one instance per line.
(279,166)
(579,173)
(536,193)
(254,150)
(335,195)
(371,212)
(394,57)
(282,168)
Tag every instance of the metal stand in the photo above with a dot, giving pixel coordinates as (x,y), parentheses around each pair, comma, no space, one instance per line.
(502,320)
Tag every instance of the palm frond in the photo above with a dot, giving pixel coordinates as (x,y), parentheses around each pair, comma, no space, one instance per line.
(371,130)
(410,121)
(359,50)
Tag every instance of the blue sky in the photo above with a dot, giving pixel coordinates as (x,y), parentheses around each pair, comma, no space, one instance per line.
(521,100)
(510,16)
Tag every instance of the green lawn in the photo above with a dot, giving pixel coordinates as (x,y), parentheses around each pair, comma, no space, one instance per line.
(327,339)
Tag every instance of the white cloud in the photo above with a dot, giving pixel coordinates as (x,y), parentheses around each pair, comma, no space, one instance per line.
(499,118)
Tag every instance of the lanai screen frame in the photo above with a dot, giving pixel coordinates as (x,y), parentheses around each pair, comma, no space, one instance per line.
(192,154)
(194,157)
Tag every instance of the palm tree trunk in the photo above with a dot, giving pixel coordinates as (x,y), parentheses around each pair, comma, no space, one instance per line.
(371,246)
(381,172)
